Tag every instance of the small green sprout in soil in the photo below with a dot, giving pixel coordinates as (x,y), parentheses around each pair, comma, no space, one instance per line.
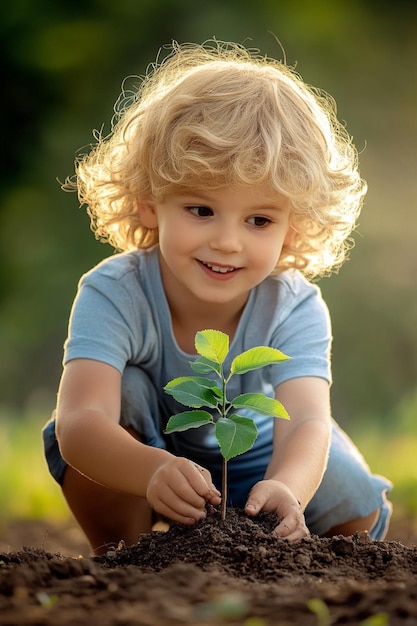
(235,433)
(320,610)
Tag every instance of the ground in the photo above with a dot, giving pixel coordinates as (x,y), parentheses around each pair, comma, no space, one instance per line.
(232,572)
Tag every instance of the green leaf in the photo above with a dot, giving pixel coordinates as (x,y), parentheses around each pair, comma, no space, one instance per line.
(254,358)
(208,383)
(212,345)
(204,366)
(194,391)
(261,404)
(187,419)
(235,435)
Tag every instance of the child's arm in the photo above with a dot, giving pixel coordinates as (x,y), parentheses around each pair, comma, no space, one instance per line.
(300,455)
(92,441)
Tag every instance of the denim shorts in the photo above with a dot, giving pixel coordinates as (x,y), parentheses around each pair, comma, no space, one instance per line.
(349,490)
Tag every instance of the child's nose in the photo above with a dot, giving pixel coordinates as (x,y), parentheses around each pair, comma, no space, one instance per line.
(226,239)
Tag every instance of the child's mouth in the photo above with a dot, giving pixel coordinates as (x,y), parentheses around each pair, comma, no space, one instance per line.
(219,270)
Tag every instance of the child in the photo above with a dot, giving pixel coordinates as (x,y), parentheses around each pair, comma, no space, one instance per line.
(226,184)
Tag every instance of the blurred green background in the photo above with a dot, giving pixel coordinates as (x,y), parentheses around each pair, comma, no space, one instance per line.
(63,62)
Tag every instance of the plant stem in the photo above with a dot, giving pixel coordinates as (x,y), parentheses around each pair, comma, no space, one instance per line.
(224,489)
(224,473)
(224,400)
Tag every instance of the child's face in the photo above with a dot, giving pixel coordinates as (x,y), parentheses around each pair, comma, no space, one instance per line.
(216,246)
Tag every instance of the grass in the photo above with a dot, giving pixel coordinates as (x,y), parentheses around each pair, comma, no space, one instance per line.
(26,488)
(392,452)
(28,491)
(393,455)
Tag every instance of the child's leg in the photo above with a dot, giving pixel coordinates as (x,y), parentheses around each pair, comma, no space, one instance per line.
(355,525)
(108,516)
(350,498)
(105,516)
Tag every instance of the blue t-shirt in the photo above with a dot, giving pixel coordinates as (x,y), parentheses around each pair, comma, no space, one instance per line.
(121,317)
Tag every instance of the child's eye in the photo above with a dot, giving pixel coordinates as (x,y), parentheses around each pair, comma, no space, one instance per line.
(258,221)
(200,211)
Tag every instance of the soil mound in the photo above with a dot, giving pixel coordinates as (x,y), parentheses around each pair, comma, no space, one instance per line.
(215,572)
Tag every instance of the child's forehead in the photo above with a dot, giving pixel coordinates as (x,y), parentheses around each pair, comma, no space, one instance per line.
(262,193)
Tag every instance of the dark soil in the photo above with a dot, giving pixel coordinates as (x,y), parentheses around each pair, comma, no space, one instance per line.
(232,572)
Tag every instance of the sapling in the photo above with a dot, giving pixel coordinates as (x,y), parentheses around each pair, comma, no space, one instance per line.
(235,433)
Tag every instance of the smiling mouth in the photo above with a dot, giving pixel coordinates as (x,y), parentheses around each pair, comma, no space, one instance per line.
(219,269)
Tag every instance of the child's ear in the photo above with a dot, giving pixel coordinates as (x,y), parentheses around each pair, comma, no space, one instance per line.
(147,213)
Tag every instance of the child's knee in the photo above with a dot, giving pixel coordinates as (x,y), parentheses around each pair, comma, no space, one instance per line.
(358,525)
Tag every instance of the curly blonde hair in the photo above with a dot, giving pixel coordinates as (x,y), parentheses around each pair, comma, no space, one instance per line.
(216,115)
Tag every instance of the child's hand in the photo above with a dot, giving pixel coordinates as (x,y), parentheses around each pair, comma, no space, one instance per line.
(180,489)
(272,495)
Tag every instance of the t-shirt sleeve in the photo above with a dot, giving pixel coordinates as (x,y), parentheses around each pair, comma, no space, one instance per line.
(303,334)
(108,323)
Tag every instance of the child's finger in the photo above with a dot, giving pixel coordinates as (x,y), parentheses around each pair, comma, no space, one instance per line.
(179,510)
(180,491)
(200,480)
(186,484)
(255,501)
(292,528)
